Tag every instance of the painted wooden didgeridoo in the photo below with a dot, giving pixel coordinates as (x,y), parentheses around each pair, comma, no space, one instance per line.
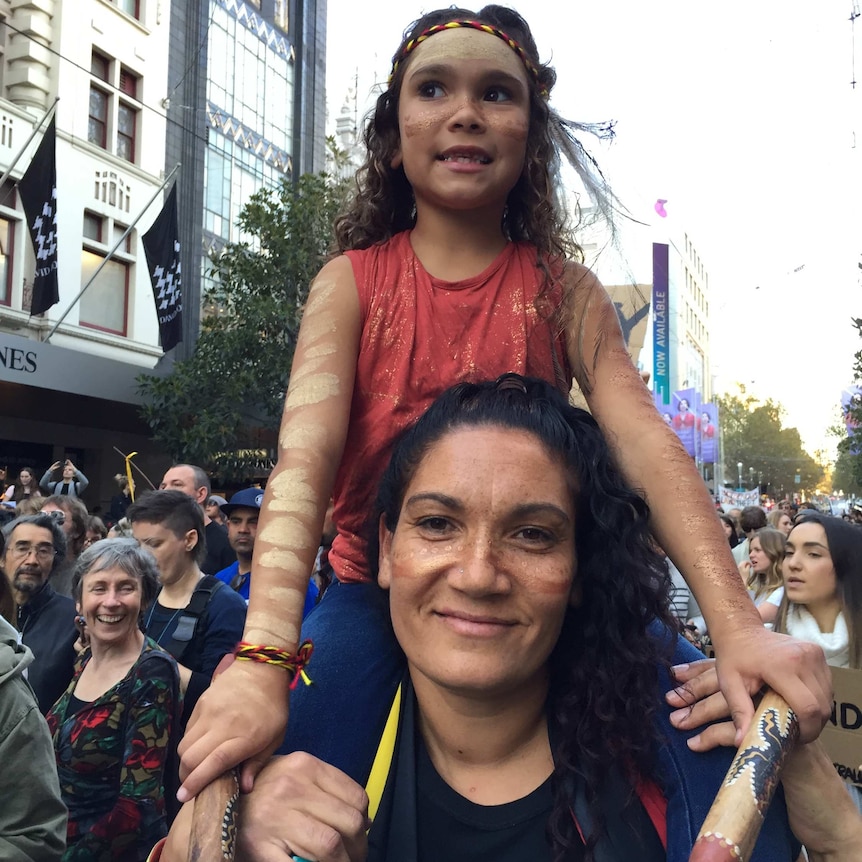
(214,823)
(731,828)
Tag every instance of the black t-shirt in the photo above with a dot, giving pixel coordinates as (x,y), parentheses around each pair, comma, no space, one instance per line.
(220,554)
(451,827)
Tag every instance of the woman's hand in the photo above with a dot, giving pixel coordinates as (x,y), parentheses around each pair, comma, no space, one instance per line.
(698,701)
(744,570)
(300,806)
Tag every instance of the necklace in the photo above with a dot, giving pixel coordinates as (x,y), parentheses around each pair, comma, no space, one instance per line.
(167,625)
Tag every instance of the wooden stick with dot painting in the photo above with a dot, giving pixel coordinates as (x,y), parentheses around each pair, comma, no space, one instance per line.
(733,823)
(214,823)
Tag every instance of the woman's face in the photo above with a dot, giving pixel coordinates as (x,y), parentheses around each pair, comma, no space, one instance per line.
(24,477)
(728,529)
(785,524)
(110,604)
(758,558)
(172,552)
(481,565)
(809,574)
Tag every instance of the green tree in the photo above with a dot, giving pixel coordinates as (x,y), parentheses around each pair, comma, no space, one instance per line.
(844,475)
(850,447)
(223,404)
(753,434)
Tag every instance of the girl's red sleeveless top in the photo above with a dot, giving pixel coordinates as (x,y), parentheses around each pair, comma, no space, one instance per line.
(421,335)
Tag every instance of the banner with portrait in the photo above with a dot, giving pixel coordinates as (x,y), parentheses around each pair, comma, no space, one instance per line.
(708,424)
(684,421)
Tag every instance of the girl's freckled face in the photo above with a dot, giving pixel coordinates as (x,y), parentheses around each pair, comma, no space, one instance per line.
(464,117)
(481,564)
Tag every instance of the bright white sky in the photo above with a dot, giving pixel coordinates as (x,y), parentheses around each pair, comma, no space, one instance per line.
(742,116)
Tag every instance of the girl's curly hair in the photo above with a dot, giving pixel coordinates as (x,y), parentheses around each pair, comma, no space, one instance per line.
(383,204)
(603,683)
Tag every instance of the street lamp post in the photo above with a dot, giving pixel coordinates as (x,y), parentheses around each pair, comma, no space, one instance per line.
(739,475)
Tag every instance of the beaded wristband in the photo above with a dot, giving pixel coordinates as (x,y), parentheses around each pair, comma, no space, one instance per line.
(293,663)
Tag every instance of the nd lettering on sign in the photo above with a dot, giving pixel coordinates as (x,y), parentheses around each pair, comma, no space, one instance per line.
(842,736)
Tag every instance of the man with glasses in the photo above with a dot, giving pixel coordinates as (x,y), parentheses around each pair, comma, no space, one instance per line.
(34,546)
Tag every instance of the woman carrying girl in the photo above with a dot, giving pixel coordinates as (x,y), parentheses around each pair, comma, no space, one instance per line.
(457,264)
(528,598)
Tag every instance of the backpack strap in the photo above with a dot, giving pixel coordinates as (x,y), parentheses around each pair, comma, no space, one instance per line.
(187,624)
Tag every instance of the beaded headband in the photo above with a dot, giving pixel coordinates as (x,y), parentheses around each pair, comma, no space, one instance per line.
(474,25)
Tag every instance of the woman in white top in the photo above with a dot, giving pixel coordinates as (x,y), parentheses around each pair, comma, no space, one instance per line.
(762,571)
(823,588)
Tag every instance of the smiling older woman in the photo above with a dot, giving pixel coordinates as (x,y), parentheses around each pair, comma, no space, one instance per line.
(112,728)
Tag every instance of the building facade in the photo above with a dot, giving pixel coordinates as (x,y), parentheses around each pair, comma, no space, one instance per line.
(74,395)
(231,91)
(246,110)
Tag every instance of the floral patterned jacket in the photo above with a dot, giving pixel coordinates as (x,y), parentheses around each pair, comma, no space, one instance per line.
(112,756)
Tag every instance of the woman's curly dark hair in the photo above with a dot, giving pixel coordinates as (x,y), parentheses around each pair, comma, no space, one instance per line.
(383,204)
(603,692)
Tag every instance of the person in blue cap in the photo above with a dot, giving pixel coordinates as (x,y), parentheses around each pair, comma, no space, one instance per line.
(241,514)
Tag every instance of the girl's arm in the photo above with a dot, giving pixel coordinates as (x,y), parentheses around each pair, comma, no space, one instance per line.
(151,709)
(684,521)
(243,714)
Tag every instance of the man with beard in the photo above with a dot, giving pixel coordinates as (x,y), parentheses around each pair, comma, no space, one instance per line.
(242,513)
(34,546)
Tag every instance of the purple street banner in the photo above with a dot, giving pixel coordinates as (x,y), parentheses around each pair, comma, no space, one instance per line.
(851,399)
(708,433)
(663,408)
(660,321)
(684,418)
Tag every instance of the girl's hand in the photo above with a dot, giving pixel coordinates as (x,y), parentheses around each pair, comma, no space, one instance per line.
(744,569)
(753,656)
(239,719)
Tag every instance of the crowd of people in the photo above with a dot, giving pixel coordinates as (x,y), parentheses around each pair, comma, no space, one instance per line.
(497,633)
(495,530)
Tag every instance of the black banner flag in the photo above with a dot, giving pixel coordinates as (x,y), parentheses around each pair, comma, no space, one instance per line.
(162,247)
(38,190)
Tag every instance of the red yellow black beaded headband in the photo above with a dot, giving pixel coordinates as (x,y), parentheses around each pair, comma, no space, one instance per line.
(412,44)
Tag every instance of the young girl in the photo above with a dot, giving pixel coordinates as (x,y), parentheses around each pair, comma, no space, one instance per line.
(456,265)
(762,572)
